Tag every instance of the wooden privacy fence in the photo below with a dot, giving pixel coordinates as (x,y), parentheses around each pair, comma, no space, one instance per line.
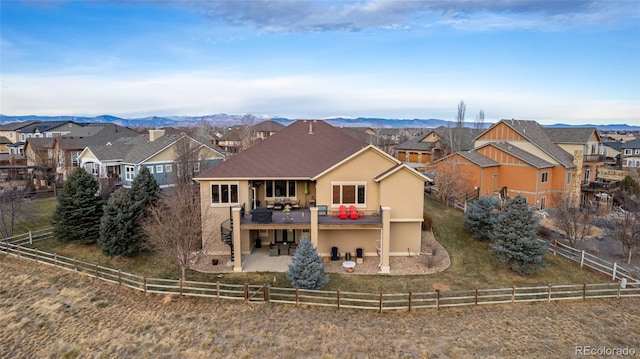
(380,302)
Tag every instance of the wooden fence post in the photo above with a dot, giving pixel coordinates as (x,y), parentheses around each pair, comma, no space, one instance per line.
(297,297)
(584,291)
(338,298)
(144,283)
(549,294)
(180,283)
(380,303)
(96,269)
(409,301)
(615,267)
(246,292)
(30,238)
(218,290)
(55,259)
(119,277)
(267,292)
(437,299)
(582,259)
(75,265)
(37,258)
(513,294)
(476,296)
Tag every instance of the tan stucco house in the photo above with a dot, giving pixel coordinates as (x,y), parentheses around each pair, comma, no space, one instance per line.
(316,169)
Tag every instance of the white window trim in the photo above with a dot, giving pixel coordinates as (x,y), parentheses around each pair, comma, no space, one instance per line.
(150,169)
(223,204)
(168,168)
(349,183)
(159,168)
(129,173)
(628,151)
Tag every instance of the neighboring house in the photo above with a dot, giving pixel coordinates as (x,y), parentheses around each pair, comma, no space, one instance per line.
(67,148)
(122,159)
(266,129)
(612,152)
(421,151)
(317,169)
(516,157)
(630,154)
(39,152)
(4,143)
(10,130)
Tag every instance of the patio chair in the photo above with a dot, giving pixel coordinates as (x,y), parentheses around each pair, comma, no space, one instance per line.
(323,210)
(273,250)
(343,211)
(353,213)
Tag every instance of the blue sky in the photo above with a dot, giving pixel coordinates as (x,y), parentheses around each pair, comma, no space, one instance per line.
(564,61)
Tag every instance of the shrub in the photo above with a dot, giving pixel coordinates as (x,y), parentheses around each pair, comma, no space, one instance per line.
(306,270)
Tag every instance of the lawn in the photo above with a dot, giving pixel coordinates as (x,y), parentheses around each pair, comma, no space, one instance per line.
(35,215)
(472,265)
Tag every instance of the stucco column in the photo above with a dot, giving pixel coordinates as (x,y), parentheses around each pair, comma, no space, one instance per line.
(384,241)
(313,232)
(237,240)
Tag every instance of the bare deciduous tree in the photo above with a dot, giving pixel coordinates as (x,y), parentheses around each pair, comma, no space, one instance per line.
(186,160)
(626,229)
(11,208)
(174,227)
(574,221)
(480,120)
(451,182)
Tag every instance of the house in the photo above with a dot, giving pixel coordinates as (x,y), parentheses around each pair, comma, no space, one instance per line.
(67,148)
(630,154)
(266,129)
(324,175)
(120,160)
(421,151)
(10,130)
(517,157)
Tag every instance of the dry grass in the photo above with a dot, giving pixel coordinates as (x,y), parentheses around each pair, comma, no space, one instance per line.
(47,313)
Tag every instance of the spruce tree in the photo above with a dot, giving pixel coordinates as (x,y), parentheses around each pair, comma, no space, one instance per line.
(119,226)
(480,217)
(144,189)
(79,208)
(515,232)
(306,270)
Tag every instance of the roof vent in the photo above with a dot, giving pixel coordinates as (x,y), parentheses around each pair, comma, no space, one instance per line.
(310,128)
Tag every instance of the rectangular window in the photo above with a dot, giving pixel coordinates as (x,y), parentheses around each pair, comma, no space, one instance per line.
(74,159)
(348,194)
(168,168)
(545,177)
(280,188)
(637,151)
(568,177)
(196,167)
(150,169)
(224,193)
(129,173)
(627,151)
(158,168)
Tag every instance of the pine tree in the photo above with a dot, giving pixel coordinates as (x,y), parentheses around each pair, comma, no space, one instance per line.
(119,226)
(515,232)
(306,270)
(144,189)
(79,208)
(480,217)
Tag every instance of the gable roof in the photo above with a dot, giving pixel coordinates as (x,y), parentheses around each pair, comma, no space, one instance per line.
(301,150)
(417,143)
(398,167)
(14,126)
(478,158)
(466,135)
(631,144)
(520,154)
(106,133)
(39,143)
(268,126)
(534,133)
(42,126)
(613,144)
(578,135)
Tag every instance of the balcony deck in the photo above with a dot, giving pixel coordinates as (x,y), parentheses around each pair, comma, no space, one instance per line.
(301,219)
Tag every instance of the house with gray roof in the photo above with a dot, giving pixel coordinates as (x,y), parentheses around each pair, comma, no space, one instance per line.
(630,154)
(121,159)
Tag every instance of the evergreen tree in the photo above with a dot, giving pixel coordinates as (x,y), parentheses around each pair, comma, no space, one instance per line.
(515,232)
(144,189)
(119,226)
(306,270)
(480,217)
(79,208)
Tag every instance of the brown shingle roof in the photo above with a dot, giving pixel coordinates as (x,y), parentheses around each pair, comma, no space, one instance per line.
(301,150)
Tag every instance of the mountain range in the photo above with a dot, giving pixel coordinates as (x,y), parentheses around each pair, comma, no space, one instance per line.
(222,120)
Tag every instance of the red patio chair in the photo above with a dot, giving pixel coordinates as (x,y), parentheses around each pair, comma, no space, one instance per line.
(353,213)
(343,212)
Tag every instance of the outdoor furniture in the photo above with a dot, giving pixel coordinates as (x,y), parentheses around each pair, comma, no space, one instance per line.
(343,211)
(269,204)
(262,215)
(349,265)
(284,248)
(334,254)
(353,213)
(273,250)
(323,210)
(292,249)
(295,204)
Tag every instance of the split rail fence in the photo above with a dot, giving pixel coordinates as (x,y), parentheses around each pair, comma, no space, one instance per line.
(379,302)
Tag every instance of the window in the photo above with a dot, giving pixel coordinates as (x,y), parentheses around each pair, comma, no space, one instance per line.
(637,151)
(347,193)
(74,159)
(281,188)
(568,177)
(168,168)
(545,177)
(150,169)
(543,202)
(224,193)
(129,173)
(196,167)
(159,168)
(263,232)
(627,151)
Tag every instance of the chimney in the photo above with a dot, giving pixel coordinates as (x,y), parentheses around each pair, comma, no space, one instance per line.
(155,134)
(310,128)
